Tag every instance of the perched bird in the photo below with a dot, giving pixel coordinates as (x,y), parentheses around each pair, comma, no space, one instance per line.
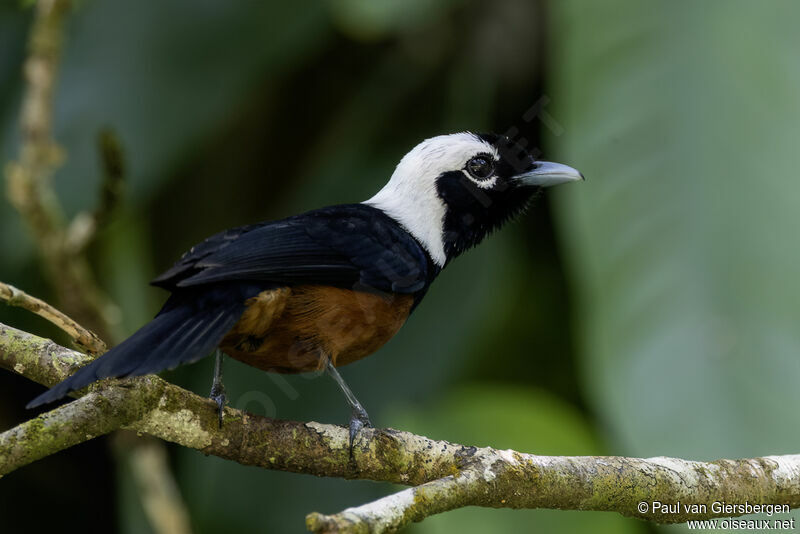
(328,287)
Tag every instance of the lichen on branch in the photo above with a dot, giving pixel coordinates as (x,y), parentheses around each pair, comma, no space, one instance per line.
(445,475)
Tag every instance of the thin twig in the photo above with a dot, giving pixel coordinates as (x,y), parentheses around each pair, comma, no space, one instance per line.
(83,338)
(447,475)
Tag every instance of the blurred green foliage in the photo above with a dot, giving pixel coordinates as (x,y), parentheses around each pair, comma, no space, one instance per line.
(683,244)
(684,248)
(679,248)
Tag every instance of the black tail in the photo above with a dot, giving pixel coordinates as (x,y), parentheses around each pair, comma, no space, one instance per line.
(187,329)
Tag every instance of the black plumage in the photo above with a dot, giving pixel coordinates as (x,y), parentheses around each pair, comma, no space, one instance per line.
(352,246)
(348,246)
(332,285)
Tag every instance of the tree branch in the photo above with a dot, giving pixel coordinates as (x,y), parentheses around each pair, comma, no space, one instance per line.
(95,414)
(508,479)
(447,475)
(82,337)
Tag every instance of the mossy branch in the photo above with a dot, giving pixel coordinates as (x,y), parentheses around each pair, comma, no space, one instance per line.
(446,475)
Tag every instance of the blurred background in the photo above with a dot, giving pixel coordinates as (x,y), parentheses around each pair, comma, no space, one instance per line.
(652,310)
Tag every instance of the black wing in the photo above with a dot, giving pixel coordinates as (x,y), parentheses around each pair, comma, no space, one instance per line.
(352,246)
(189,326)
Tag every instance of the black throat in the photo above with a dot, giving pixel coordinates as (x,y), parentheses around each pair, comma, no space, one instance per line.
(473,213)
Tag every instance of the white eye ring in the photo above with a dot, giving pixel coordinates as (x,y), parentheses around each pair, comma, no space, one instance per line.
(482,184)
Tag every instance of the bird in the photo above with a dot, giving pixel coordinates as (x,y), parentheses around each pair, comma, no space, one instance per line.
(319,290)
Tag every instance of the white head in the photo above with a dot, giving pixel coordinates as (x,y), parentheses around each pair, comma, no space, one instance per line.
(450,191)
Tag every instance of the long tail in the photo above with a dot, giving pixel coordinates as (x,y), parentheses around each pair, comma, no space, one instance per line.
(186,330)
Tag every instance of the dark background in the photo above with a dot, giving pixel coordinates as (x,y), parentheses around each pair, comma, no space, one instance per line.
(652,310)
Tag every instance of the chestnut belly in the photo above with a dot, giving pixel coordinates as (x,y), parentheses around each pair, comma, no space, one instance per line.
(294,329)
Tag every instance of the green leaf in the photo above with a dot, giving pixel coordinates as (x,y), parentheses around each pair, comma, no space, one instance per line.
(683,241)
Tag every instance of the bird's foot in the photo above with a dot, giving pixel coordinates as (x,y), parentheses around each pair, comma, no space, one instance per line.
(358,420)
(218,395)
(217,387)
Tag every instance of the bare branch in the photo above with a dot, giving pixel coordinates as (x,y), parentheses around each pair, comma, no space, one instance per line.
(447,475)
(508,479)
(82,337)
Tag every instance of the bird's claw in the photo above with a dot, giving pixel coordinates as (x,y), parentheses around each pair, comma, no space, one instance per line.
(358,420)
(218,396)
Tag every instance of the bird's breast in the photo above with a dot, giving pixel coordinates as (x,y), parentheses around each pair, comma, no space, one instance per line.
(292,329)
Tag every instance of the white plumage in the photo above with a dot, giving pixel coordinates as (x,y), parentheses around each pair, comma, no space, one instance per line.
(410,196)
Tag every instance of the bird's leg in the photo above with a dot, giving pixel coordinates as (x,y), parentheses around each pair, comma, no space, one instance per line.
(217,388)
(359,418)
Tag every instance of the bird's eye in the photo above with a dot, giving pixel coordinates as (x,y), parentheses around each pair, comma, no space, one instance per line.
(480,167)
